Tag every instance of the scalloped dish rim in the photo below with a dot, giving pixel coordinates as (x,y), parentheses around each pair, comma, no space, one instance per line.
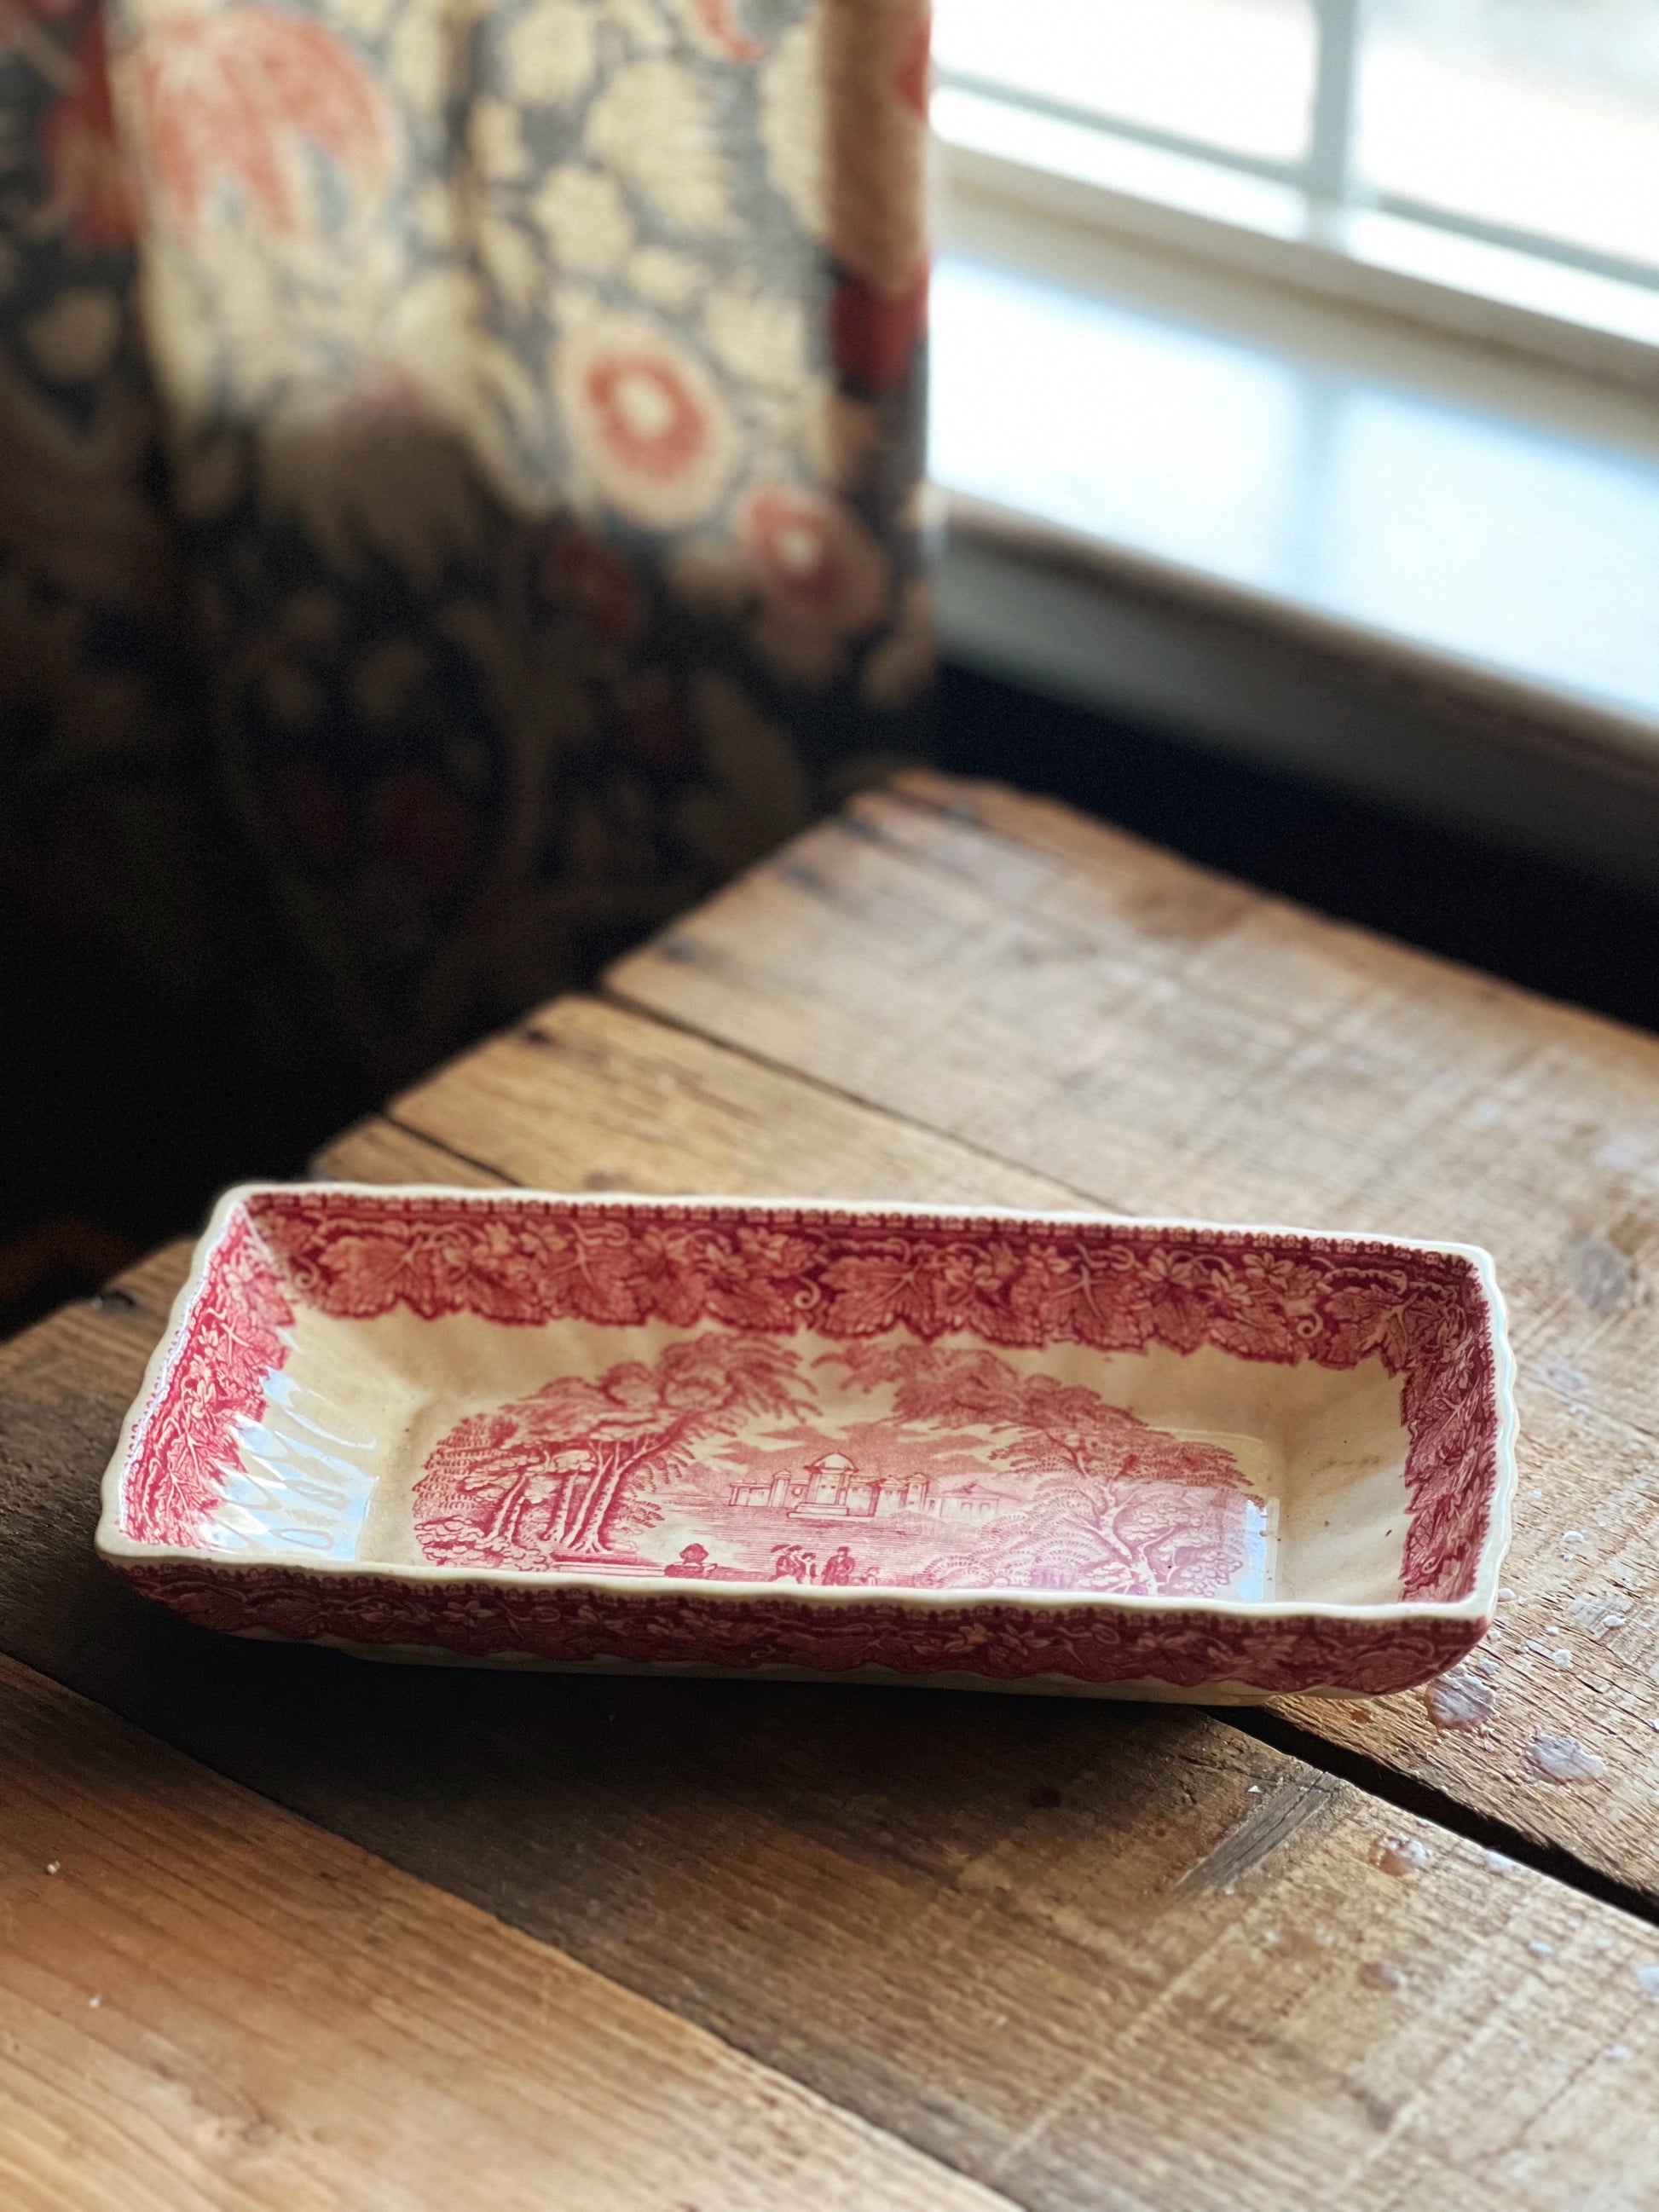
(124,1552)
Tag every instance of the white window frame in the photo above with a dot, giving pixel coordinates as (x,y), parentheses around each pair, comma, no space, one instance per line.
(1307,222)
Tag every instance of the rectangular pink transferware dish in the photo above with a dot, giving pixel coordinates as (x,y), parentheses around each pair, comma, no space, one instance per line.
(1053,1452)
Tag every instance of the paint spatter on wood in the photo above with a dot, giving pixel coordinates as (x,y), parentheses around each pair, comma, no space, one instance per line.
(1401,1855)
(1382,1974)
(1562,1758)
(1599,1274)
(1459,1700)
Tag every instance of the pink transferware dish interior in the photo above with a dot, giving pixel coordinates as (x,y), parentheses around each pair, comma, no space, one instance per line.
(1055,1452)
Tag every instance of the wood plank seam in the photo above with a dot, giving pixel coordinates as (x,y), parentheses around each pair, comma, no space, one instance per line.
(462,1159)
(1425,1801)
(620,999)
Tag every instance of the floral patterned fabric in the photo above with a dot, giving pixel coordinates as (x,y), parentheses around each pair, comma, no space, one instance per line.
(465,456)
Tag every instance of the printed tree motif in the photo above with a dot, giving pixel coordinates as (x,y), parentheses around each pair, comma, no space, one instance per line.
(1064,1426)
(563,1474)
(1117,1504)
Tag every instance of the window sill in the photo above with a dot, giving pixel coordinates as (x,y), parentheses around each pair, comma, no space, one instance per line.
(1401,561)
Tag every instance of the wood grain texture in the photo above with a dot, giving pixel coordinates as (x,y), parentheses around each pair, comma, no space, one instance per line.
(1090,1956)
(376,1149)
(205,2002)
(584,1096)
(1056,994)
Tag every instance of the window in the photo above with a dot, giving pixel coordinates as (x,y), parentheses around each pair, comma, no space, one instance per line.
(1500,149)
(1230,78)
(1536,122)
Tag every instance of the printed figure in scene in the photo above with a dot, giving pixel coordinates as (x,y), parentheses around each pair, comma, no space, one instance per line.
(736,1458)
(693,1562)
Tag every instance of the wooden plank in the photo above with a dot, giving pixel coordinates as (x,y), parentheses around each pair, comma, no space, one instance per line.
(376,1149)
(1090,1956)
(205,2000)
(1054,994)
(585,1097)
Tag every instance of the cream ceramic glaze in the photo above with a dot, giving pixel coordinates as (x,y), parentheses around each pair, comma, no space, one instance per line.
(330,1467)
(423,1413)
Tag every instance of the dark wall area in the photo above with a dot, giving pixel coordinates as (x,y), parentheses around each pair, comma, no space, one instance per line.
(123,1115)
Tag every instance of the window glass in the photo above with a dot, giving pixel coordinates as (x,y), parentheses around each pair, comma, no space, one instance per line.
(1536,115)
(1237,73)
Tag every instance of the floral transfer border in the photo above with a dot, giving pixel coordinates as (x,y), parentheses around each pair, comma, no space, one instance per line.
(1001,1644)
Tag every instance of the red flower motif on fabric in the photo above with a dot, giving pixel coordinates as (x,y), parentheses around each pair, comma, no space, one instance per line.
(646,417)
(646,420)
(230,95)
(717,20)
(816,563)
(91,185)
(873,335)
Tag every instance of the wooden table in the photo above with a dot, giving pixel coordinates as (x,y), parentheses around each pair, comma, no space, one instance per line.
(284,1929)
